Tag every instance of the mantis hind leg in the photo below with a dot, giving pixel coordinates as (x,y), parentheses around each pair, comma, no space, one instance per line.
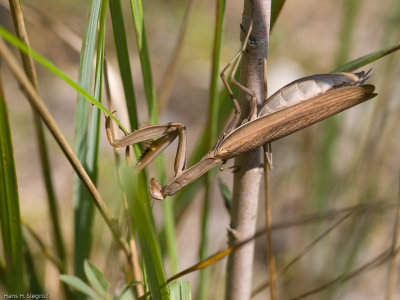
(253,101)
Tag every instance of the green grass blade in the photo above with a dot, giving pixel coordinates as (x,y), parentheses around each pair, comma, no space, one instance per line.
(56,71)
(96,278)
(350,12)
(366,59)
(212,133)
(170,235)
(94,129)
(180,290)
(83,206)
(144,227)
(33,282)
(9,207)
(123,62)
(276,7)
(137,14)
(79,285)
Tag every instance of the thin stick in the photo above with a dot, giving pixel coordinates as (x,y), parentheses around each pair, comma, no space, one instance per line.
(270,250)
(395,258)
(41,108)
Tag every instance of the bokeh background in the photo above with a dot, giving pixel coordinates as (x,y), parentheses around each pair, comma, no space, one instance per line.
(353,159)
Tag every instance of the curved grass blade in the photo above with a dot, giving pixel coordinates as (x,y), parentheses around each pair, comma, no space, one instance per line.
(52,68)
(81,286)
(83,206)
(366,59)
(96,278)
(9,207)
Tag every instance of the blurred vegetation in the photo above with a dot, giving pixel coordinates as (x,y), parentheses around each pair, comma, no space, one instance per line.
(348,160)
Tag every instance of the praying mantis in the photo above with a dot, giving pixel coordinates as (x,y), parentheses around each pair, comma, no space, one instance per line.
(295,106)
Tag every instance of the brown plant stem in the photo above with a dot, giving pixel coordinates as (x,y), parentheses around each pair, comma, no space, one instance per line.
(247,179)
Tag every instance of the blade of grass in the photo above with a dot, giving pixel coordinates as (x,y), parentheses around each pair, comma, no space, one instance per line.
(373,263)
(165,88)
(30,71)
(45,250)
(212,132)
(52,68)
(276,7)
(180,290)
(9,206)
(394,261)
(143,225)
(367,59)
(117,19)
(33,282)
(83,207)
(80,286)
(138,19)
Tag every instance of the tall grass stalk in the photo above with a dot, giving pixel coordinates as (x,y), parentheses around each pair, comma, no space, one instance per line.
(83,206)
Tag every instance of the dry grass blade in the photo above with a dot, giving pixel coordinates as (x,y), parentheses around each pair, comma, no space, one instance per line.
(169,76)
(300,255)
(45,250)
(37,102)
(395,258)
(378,260)
(333,214)
(50,22)
(270,253)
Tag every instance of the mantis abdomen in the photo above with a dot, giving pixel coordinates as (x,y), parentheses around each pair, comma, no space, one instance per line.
(309,87)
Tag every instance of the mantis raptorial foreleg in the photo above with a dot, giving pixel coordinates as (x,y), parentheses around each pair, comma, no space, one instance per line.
(166,133)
